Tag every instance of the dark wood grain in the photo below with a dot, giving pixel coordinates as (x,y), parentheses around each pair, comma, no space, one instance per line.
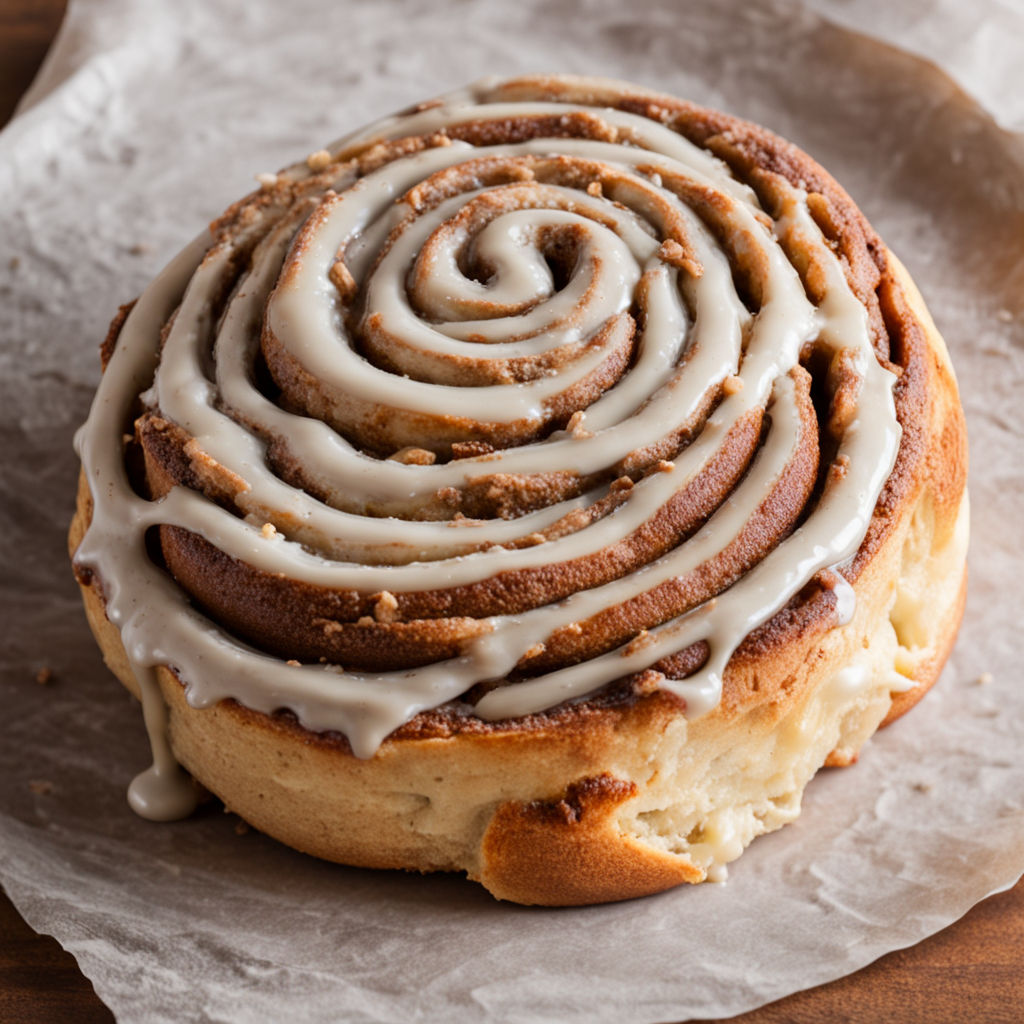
(39,982)
(972,971)
(27,27)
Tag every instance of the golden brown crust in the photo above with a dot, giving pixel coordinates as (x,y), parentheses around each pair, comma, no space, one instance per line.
(568,851)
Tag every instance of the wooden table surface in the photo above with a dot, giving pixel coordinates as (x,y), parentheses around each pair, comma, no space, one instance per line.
(973,971)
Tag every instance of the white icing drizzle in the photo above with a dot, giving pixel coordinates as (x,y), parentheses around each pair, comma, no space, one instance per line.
(163,792)
(696,334)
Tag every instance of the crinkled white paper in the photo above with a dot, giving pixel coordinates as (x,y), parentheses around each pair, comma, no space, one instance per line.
(149,119)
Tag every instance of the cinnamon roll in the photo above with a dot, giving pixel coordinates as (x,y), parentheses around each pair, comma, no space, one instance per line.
(542,483)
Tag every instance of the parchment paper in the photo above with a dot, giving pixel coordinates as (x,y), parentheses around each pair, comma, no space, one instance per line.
(147,121)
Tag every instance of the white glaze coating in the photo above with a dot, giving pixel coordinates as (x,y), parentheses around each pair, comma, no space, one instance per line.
(696,334)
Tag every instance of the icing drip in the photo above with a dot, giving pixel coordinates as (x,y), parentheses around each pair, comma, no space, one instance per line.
(163,792)
(570,301)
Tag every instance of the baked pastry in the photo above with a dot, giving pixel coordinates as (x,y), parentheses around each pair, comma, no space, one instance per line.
(541,483)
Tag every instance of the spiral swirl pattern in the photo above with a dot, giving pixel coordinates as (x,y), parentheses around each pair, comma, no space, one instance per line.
(544,386)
